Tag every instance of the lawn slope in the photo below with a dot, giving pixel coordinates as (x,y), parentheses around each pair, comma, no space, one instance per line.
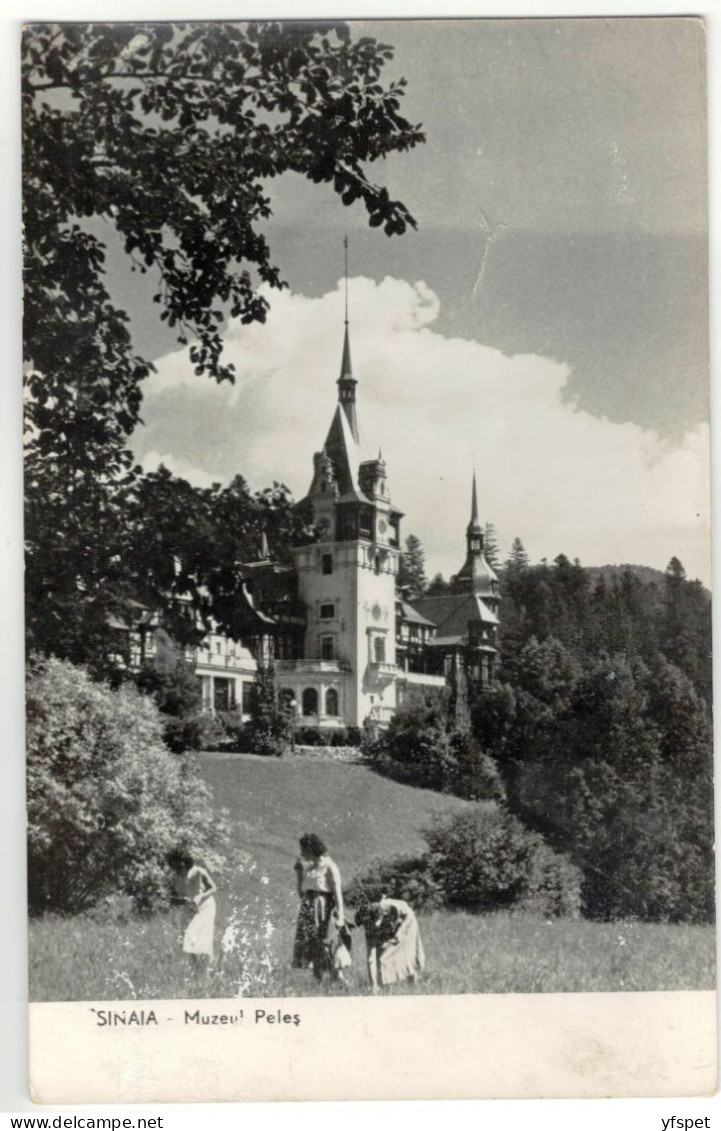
(361,816)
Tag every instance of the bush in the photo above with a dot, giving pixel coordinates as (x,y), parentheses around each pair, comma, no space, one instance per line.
(191,732)
(309,736)
(261,742)
(407,878)
(485,859)
(269,731)
(176,692)
(421,748)
(107,801)
(355,736)
(337,737)
(233,728)
(481,860)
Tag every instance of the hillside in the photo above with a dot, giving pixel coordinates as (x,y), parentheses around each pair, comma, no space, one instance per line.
(360,815)
(270,803)
(647,575)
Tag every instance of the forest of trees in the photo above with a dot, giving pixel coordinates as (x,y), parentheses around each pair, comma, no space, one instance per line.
(597,729)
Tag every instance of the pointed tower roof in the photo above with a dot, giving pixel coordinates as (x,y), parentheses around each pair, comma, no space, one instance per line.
(474,526)
(346,381)
(346,369)
(340,446)
(476,575)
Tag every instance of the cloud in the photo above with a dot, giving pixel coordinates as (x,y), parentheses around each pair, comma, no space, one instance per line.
(558,477)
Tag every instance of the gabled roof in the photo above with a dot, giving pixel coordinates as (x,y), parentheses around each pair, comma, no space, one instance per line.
(452,613)
(412,615)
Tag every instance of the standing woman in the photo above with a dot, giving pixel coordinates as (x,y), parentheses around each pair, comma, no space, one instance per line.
(193,889)
(393,942)
(321,919)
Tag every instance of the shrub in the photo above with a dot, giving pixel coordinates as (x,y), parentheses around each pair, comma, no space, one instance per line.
(355,736)
(485,859)
(261,742)
(176,692)
(191,732)
(554,886)
(309,736)
(406,877)
(175,689)
(421,748)
(107,801)
(481,860)
(233,728)
(337,737)
(269,731)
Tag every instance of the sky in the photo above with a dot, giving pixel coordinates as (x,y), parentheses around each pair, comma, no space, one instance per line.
(547,321)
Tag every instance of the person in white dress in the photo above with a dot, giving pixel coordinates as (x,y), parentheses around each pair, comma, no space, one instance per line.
(194,890)
(393,942)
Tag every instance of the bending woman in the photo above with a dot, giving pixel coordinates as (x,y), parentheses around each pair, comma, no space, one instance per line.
(193,889)
(321,920)
(393,942)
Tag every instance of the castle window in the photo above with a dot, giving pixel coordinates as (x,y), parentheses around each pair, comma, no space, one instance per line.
(331,702)
(247,696)
(327,563)
(327,647)
(327,611)
(377,565)
(310,701)
(379,650)
(223,694)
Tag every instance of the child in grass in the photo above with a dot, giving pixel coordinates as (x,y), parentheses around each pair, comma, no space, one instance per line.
(193,890)
(393,942)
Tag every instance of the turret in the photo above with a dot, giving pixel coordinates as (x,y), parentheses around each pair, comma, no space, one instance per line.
(476,575)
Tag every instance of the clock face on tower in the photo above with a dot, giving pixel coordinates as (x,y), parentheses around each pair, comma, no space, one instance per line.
(381,527)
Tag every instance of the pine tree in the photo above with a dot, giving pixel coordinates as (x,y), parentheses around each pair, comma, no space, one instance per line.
(438,587)
(518,558)
(412,567)
(491,551)
(269,722)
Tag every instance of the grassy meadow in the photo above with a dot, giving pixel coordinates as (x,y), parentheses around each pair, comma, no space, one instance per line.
(361,817)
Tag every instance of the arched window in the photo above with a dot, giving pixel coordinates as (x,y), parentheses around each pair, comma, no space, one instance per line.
(331,701)
(310,701)
(379,650)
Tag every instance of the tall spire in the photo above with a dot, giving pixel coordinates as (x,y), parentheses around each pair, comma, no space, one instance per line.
(474,526)
(346,382)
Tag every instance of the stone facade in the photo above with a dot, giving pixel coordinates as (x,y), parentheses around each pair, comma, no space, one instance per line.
(346,644)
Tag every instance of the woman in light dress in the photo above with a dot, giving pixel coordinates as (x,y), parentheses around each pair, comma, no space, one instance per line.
(193,890)
(322,939)
(393,942)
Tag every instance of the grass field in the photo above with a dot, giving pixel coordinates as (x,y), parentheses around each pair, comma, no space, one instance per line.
(361,816)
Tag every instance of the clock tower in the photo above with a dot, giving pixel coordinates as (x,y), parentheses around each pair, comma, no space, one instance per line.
(347,579)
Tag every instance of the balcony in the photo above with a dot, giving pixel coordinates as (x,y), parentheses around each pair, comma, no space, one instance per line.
(382,669)
(381,714)
(313,666)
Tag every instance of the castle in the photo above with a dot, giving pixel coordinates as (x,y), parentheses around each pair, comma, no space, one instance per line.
(346,641)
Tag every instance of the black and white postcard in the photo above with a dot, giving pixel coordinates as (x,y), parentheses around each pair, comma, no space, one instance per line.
(368,611)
